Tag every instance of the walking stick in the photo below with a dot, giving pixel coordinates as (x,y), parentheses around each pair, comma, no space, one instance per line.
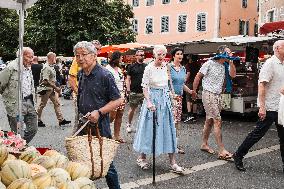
(154,147)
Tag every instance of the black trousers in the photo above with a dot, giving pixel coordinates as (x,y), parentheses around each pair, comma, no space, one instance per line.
(260,130)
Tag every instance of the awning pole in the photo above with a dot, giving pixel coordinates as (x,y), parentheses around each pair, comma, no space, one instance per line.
(20,67)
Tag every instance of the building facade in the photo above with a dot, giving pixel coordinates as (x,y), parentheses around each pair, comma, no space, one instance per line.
(173,21)
(271,11)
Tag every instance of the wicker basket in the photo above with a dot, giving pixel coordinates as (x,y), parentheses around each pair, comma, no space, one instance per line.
(96,152)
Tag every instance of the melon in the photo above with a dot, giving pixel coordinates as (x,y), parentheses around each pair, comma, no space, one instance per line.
(37,169)
(77,170)
(22,183)
(29,156)
(3,153)
(50,187)
(61,161)
(11,157)
(2,186)
(85,183)
(58,176)
(69,185)
(13,170)
(51,153)
(42,180)
(45,161)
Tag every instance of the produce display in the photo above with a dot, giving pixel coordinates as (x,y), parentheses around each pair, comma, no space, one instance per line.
(26,168)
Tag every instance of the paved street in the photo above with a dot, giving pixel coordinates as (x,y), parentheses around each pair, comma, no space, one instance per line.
(264,168)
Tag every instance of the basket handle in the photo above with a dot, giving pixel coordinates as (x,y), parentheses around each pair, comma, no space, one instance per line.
(91,149)
(81,128)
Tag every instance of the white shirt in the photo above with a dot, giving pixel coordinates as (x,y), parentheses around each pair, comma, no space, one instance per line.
(27,82)
(155,77)
(118,77)
(272,72)
(214,75)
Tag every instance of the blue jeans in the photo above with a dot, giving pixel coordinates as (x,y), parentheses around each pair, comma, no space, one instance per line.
(260,130)
(112,178)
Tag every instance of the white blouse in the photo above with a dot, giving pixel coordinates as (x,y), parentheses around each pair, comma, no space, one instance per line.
(155,77)
(118,77)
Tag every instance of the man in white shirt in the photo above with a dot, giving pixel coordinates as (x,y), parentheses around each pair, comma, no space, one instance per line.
(212,74)
(9,89)
(270,83)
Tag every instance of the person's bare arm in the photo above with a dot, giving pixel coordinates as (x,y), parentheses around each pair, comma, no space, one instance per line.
(282,91)
(72,80)
(128,82)
(232,71)
(261,99)
(196,82)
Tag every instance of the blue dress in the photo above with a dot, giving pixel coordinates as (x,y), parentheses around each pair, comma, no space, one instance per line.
(156,79)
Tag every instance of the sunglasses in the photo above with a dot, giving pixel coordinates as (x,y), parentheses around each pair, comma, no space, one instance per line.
(140,55)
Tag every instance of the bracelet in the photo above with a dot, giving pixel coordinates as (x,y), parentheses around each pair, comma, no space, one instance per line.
(100,113)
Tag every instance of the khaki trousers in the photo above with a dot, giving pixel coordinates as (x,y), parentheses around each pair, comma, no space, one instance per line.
(50,94)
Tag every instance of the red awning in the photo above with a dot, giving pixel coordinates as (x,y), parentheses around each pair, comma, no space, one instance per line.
(271,27)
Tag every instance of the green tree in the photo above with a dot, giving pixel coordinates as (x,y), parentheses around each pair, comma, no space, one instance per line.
(57,25)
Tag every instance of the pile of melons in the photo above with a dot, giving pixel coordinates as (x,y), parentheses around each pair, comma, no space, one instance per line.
(51,170)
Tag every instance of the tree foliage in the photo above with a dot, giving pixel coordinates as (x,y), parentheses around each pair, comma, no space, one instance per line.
(57,25)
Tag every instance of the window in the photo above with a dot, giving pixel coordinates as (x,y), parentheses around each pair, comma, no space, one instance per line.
(201,22)
(182,23)
(135,25)
(244,3)
(164,24)
(149,2)
(243,27)
(182,1)
(149,25)
(270,16)
(135,3)
(166,1)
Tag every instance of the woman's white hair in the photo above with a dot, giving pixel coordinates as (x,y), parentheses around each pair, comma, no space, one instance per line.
(159,48)
(86,45)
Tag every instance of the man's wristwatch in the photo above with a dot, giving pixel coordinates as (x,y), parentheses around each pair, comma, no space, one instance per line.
(100,113)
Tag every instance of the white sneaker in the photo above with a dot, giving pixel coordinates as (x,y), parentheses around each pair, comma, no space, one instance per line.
(128,128)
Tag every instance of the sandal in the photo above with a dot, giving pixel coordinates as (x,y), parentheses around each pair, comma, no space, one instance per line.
(226,157)
(121,140)
(208,150)
(142,163)
(177,169)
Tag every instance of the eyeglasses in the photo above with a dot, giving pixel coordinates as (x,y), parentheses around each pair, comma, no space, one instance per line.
(78,56)
(140,55)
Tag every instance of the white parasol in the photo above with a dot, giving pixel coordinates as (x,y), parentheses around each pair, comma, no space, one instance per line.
(19,5)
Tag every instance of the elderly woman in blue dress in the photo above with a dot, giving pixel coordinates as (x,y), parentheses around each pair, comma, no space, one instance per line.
(157,98)
(177,81)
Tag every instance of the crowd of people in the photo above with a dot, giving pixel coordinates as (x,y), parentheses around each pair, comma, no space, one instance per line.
(101,93)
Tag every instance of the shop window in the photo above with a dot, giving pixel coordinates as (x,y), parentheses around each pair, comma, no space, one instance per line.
(243,27)
(270,16)
(149,25)
(164,24)
(182,23)
(135,25)
(201,22)
(135,3)
(149,2)
(166,1)
(244,3)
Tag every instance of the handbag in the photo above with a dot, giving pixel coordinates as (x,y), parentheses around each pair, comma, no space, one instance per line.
(95,152)
(281,111)
(225,101)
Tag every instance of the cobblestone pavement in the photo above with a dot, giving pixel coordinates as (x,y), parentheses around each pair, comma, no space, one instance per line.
(264,167)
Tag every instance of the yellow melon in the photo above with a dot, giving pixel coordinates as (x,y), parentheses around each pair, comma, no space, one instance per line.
(58,176)
(3,153)
(22,183)
(11,157)
(61,161)
(45,161)
(42,180)
(37,169)
(13,170)
(2,186)
(51,187)
(85,183)
(69,185)
(77,170)
(29,156)
(51,153)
